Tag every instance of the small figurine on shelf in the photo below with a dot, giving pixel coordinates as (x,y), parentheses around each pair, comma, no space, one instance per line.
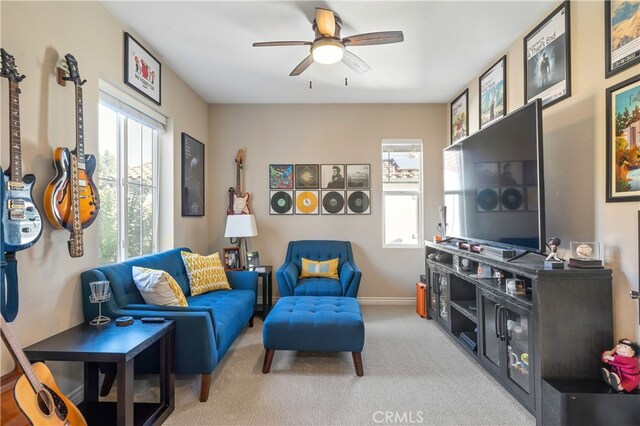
(553,244)
(624,372)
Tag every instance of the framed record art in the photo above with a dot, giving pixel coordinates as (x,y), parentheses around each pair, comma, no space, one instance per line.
(333,202)
(622,39)
(307,176)
(460,117)
(281,202)
(493,92)
(623,141)
(332,176)
(358,202)
(358,176)
(307,202)
(512,199)
(280,176)
(547,59)
(142,71)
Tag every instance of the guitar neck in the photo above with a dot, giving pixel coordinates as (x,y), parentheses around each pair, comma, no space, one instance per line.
(238,168)
(19,356)
(79,128)
(15,148)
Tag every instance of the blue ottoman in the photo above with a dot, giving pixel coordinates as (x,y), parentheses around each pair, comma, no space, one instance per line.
(314,324)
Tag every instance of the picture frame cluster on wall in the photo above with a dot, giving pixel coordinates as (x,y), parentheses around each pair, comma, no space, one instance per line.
(312,189)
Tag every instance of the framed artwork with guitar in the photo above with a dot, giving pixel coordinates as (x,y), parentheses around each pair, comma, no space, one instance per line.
(192,176)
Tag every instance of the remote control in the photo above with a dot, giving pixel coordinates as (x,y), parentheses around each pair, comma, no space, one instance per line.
(152,319)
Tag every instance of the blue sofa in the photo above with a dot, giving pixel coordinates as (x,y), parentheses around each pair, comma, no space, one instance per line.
(288,274)
(204,330)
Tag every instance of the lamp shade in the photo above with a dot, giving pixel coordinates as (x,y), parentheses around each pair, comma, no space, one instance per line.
(240,226)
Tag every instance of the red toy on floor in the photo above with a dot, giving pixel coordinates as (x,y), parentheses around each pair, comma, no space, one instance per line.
(624,368)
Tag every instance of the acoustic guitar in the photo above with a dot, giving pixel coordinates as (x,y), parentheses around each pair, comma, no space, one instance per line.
(21,220)
(71,200)
(238,203)
(36,392)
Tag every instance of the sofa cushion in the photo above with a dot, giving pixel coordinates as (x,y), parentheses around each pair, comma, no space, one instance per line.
(319,269)
(318,287)
(232,310)
(157,287)
(205,273)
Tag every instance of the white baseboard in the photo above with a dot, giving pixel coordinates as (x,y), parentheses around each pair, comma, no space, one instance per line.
(77,395)
(372,300)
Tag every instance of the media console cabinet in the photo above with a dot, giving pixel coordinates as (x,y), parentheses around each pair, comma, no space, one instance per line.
(557,330)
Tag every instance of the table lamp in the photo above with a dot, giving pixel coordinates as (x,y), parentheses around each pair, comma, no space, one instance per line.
(241,226)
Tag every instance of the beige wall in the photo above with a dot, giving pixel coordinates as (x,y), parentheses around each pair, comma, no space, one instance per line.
(574,158)
(37,34)
(320,134)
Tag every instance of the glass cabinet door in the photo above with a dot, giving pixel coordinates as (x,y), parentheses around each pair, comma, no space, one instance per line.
(443,294)
(518,349)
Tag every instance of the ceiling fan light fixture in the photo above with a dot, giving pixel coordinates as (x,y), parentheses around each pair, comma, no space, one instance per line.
(327,51)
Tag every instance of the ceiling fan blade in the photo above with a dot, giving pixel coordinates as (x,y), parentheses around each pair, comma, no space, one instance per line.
(302,66)
(281,43)
(355,63)
(326,22)
(383,37)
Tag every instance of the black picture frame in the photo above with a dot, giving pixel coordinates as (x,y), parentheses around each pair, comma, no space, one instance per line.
(459,117)
(358,176)
(628,93)
(232,258)
(307,202)
(307,176)
(332,176)
(192,177)
(626,55)
(281,176)
(547,58)
(492,87)
(142,71)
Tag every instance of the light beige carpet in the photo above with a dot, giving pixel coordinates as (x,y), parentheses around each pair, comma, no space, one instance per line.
(413,374)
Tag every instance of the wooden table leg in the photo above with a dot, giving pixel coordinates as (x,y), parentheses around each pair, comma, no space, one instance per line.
(268,357)
(91,380)
(269,293)
(125,393)
(167,378)
(264,297)
(357,361)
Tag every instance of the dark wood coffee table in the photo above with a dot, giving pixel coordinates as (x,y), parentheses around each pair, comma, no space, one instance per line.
(108,343)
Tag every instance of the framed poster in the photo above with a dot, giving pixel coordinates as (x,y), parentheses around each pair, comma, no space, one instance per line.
(192,183)
(547,59)
(622,38)
(142,71)
(623,141)
(280,176)
(332,176)
(307,176)
(358,176)
(460,117)
(493,92)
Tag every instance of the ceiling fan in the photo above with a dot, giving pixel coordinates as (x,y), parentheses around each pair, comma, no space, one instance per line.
(329,48)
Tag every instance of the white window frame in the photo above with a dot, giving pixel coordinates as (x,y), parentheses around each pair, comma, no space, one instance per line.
(418,193)
(128,109)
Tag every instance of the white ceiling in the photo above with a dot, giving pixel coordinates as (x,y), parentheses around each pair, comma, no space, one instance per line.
(447,43)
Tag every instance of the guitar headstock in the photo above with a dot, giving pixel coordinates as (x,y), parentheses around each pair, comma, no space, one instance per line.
(239,156)
(9,68)
(73,74)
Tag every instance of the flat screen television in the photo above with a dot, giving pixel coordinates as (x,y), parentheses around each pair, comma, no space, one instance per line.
(494,185)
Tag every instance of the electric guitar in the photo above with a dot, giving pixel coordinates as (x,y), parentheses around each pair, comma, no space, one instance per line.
(238,203)
(21,220)
(71,200)
(36,392)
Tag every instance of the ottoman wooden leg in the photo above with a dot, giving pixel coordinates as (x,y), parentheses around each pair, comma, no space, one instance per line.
(357,361)
(268,357)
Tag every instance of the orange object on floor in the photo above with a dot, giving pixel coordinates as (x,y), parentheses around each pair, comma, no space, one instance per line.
(421,299)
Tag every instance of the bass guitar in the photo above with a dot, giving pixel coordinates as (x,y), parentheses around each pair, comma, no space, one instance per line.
(36,392)
(21,220)
(71,200)
(238,203)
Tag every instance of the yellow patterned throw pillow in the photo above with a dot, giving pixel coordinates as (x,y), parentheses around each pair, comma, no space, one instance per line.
(326,269)
(205,273)
(158,287)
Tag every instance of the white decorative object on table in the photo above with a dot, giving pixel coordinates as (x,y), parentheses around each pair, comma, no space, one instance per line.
(99,293)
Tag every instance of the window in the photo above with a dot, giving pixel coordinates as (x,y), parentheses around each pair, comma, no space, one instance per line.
(128,185)
(402,193)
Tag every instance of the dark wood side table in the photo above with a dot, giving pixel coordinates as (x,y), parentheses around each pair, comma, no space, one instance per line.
(108,343)
(266,276)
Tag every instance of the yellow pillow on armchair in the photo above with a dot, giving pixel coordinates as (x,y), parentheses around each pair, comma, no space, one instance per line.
(314,269)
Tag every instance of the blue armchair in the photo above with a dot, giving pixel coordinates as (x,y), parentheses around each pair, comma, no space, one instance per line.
(288,274)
